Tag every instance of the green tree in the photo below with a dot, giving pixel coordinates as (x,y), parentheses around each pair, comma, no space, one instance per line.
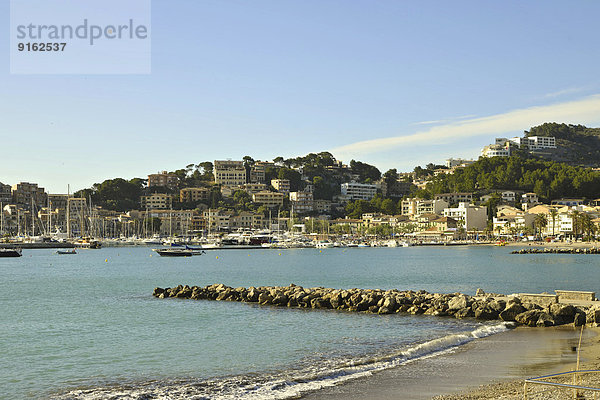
(293,176)
(364,171)
(553,216)
(540,222)
(388,207)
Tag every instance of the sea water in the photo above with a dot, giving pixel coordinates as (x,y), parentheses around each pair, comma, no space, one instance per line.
(86,326)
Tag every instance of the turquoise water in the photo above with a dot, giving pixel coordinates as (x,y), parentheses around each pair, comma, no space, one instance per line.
(86,325)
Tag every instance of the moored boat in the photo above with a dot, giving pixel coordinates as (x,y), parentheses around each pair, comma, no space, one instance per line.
(178,252)
(11,252)
(72,251)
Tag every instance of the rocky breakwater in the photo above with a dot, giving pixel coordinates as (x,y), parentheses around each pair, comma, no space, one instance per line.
(557,250)
(482,306)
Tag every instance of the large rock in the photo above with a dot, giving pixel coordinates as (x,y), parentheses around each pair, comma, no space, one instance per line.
(579,319)
(562,313)
(265,298)
(458,302)
(544,320)
(464,313)
(529,318)
(593,315)
(486,312)
(511,311)
(252,295)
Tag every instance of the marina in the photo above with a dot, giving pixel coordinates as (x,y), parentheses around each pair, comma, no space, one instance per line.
(218,349)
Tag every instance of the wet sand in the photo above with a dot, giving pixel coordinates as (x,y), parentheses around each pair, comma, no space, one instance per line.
(505,359)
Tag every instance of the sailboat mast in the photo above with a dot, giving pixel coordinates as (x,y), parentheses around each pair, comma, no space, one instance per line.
(32,219)
(68,212)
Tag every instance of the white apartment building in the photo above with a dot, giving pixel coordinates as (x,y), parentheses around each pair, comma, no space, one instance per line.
(469,216)
(542,142)
(229,173)
(358,191)
(502,146)
(506,225)
(281,185)
(496,150)
(302,202)
(420,206)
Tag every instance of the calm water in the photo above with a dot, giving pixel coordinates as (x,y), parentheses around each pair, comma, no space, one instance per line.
(86,325)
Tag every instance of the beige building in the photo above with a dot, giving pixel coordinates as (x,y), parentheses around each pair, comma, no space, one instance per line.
(174,222)
(157,201)
(251,188)
(5,193)
(247,220)
(269,199)
(216,219)
(26,193)
(470,217)
(281,185)
(229,173)
(189,195)
(163,179)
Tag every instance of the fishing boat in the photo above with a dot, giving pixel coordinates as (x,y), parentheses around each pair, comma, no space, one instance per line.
(72,251)
(179,252)
(13,252)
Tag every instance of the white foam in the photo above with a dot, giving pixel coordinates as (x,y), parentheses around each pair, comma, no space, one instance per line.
(289,384)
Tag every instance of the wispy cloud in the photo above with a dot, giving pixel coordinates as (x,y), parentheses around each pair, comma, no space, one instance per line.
(565,92)
(584,111)
(443,121)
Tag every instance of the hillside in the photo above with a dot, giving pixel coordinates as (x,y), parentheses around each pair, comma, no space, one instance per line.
(576,144)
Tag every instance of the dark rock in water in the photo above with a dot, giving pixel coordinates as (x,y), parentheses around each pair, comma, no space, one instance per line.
(579,319)
(562,313)
(265,298)
(464,313)
(529,318)
(486,313)
(544,320)
(531,306)
(458,305)
(511,311)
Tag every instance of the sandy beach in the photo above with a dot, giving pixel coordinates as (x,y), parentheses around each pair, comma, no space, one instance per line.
(491,368)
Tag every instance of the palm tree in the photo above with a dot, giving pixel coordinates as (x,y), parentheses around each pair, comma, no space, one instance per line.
(540,222)
(587,226)
(553,215)
(575,221)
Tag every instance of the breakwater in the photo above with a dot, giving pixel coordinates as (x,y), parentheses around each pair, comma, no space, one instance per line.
(523,310)
(546,250)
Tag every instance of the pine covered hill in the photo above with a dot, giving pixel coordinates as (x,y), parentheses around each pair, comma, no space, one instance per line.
(548,179)
(576,144)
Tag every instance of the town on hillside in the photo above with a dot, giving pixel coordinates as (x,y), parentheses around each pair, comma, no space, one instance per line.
(510,193)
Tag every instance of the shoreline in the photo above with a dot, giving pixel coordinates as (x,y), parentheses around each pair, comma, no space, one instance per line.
(489,368)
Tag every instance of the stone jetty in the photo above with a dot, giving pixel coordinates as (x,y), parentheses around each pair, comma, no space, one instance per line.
(558,250)
(521,309)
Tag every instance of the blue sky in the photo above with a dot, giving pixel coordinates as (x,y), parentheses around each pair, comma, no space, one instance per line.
(392,83)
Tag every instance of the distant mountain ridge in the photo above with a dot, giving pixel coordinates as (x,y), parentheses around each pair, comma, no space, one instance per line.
(576,144)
